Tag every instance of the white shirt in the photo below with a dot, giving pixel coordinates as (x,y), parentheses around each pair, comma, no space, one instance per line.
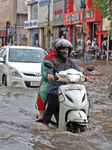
(88,41)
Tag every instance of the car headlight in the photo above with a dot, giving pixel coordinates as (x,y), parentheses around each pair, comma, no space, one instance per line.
(14,72)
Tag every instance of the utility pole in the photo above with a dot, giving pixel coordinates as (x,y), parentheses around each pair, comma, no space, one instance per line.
(83,6)
(48,24)
(16,15)
(108,48)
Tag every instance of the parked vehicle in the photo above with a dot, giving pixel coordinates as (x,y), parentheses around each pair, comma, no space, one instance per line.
(103,54)
(76,54)
(97,55)
(73,101)
(20,66)
(110,54)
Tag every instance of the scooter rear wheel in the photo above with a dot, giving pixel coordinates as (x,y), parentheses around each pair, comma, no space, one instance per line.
(76,128)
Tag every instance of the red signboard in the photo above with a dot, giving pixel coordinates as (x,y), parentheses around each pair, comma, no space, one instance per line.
(73,18)
(57,12)
(76,17)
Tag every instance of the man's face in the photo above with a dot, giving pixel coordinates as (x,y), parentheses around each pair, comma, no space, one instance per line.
(64,52)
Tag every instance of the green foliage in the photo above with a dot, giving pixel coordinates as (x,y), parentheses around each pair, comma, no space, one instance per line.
(105,7)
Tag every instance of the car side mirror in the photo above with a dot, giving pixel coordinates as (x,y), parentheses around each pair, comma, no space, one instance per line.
(2,60)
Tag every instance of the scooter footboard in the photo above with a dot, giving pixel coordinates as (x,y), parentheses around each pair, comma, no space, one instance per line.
(77,116)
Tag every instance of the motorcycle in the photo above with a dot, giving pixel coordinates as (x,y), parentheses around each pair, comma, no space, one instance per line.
(110,54)
(76,54)
(103,54)
(73,101)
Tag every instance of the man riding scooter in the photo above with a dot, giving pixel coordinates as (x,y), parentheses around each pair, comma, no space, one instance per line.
(61,62)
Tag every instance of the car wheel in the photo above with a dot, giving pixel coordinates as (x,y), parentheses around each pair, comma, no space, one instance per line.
(4,80)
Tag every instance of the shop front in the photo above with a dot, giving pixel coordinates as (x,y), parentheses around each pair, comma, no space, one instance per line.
(94,25)
(74,22)
(32,32)
(75,27)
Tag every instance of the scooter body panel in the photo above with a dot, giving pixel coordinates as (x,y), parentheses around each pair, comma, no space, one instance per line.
(74,105)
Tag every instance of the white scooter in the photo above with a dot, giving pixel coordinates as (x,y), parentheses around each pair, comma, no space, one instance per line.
(73,102)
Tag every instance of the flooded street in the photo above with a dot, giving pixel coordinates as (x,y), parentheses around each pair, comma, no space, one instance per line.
(19,131)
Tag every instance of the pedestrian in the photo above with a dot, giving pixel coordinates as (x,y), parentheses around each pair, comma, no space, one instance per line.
(93,41)
(36,43)
(88,41)
(61,62)
(104,44)
(53,41)
(89,47)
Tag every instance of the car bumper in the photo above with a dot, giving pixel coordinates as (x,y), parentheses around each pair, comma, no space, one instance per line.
(25,82)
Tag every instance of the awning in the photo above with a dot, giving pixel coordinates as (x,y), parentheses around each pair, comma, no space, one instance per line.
(102,32)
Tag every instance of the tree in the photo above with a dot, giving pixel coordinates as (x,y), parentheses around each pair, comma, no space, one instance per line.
(105,8)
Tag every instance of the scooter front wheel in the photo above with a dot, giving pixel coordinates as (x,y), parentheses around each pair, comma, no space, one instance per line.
(76,128)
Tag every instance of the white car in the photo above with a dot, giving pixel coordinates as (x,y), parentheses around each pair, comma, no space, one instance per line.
(20,66)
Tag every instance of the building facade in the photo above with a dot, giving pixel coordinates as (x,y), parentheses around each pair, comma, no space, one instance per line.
(59,29)
(64,19)
(45,22)
(38,25)
(31,23)
(93,26)
(12,16)
(74,20)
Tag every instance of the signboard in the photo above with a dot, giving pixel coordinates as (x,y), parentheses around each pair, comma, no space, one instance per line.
(76,17)
(31,24)
(27,2)
(44,2)
(84,27)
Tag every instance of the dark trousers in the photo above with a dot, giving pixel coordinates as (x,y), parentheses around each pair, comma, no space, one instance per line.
(52,108)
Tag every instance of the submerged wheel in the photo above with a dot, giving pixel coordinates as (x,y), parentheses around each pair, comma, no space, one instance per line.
(76,128)
(102,57)
(4,80)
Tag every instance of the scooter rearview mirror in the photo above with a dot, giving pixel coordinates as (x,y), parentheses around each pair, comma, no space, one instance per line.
(48,65)
(90,68)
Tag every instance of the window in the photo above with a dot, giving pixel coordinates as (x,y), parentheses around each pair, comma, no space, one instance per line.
(34,11)
(26,55)
(76,5)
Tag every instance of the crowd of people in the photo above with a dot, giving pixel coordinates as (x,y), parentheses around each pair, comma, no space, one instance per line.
(92,47)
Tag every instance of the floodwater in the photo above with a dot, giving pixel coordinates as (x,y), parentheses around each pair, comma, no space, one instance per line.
(19,131)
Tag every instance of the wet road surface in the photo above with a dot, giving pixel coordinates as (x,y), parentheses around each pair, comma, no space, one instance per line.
(19,131)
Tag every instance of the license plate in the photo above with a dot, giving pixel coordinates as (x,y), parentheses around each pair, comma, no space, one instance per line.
(34,83)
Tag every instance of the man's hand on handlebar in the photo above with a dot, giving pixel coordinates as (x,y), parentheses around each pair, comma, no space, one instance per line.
(50,78)
(87,79)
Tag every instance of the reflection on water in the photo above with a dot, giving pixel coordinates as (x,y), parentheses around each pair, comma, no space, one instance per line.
(19,131)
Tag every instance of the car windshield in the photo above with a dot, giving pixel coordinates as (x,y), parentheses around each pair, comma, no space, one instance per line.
(26,55)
